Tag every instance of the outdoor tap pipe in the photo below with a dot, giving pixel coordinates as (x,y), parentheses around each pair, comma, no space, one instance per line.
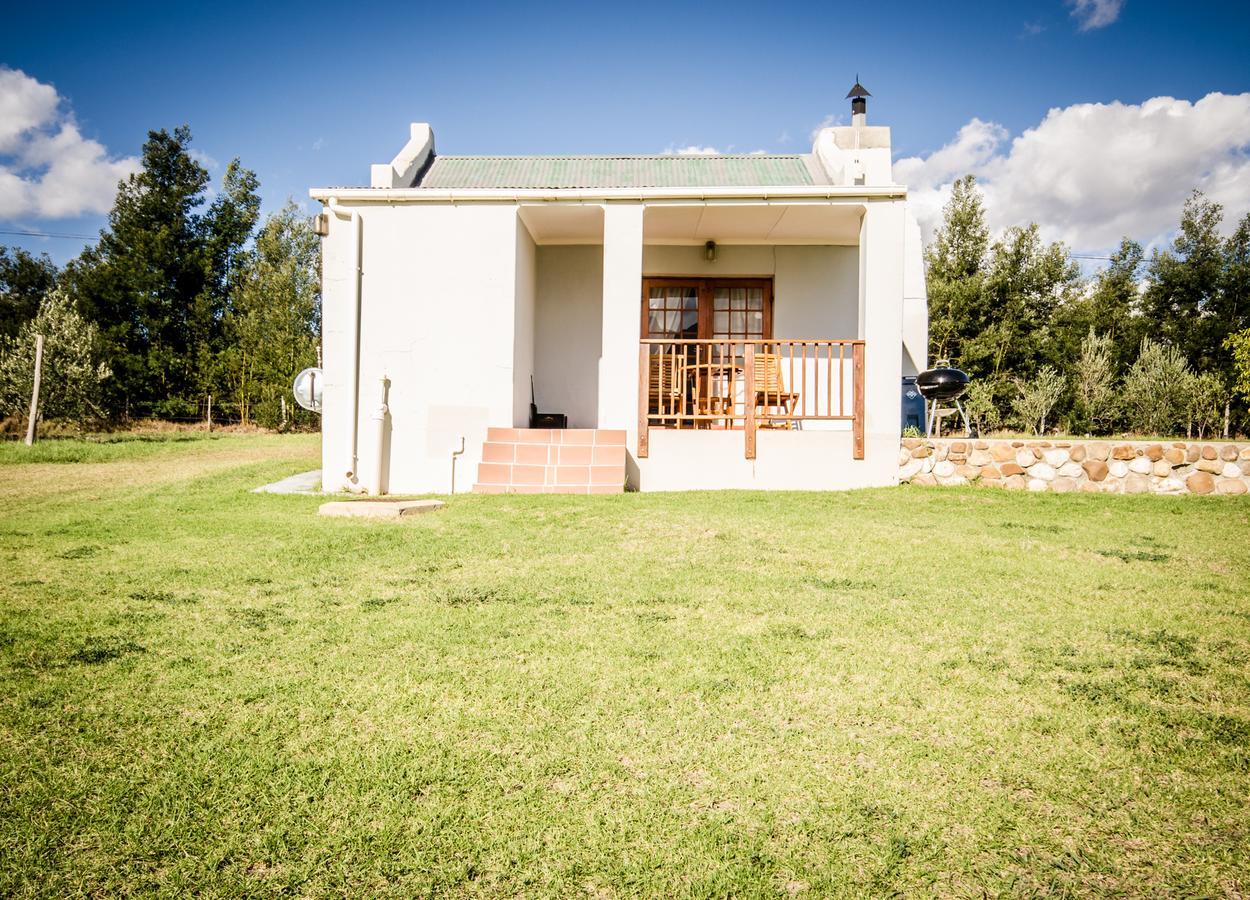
(351,480)
(379,418)
(454,455)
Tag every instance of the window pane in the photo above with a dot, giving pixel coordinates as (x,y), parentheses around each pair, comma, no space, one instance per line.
(656,300)
(671,322)
(755,298)
(721,324)
(721,299)
(755,323)
(655,323)
(692,299)
(690,323)
(739,298)
(738,322)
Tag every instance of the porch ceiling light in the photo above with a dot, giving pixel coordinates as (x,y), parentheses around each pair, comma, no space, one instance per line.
(709,251)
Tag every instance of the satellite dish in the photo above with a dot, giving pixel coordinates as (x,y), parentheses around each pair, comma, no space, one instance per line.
(308,388)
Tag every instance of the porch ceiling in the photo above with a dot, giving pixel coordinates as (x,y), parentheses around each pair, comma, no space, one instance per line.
(780,223)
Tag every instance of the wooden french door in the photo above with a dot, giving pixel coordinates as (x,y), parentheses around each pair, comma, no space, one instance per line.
(718,308)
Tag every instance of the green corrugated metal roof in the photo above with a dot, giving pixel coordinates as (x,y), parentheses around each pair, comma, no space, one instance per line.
(616,171)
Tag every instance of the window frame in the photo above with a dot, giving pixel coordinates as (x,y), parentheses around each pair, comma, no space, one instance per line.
(707,289)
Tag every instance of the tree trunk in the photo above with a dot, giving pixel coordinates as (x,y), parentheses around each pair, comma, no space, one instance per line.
(1227,415)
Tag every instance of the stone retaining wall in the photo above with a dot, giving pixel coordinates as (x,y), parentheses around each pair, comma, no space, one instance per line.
(1115,467)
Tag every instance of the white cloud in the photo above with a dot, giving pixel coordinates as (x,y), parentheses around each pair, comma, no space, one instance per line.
(828,121)
(1091,14)
(203,159)
(1092,173)
(692,150)
(48,170)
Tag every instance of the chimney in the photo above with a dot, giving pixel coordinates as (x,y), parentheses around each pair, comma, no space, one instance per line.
(859,104)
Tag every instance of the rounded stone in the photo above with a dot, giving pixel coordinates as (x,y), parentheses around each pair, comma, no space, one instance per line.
(1099,450)
(1231,486)
(903,456)
(1015,483)
(1231,470)
(1043,471)
(1088,487)
(1174,456)
(1209,452)
(926,465)
(1228,452)
(980,445)
(1070,470)
(1036,484)
(1141,465)
(1025,458)
(1095,469)
(1192,453)
(1200,483)
(1154,452)
(1245,454)
(1162,468)
(953,481)
(1244,465)
(924,479)
(921,452)
(944,469)
(1123,451)
(980,458)
(959,447)
(1171,485)
(1136,484)
(1002,452)
(909,470)
(1063,485)
(1214,466)
(1056,457)
(971,473)
(1009,468)
(1118,468)
(912,443)
(1078,453)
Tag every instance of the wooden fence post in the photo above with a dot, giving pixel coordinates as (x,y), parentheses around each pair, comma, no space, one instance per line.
(210,412)
(748,398)
(34,393)
(644,420)
(857,363)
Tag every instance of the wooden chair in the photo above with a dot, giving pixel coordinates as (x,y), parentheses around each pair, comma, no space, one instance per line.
(771,396)
(665,382)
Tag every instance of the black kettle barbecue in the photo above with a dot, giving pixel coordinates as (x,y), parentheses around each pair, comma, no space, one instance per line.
(943,384)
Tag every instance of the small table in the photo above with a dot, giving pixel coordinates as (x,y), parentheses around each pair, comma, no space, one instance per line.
(713,389)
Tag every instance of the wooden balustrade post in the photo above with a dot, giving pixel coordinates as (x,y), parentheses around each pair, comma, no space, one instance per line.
(857,362)
(748,398)
(644,420)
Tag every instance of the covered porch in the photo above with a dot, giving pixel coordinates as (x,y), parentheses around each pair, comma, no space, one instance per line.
(757,345)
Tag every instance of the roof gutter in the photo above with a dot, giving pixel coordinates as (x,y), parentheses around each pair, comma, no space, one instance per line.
(583,195)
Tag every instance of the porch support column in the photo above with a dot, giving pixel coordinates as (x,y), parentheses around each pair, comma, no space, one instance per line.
(881,241)
(622,290)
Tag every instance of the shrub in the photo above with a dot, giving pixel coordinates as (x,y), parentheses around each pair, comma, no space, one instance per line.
(981,406)
(1095,382)
(1205,406)
(1157,389)
(1036,398)
(72,376)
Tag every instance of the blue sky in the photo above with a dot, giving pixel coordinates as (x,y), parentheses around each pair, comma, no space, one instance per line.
(311,94)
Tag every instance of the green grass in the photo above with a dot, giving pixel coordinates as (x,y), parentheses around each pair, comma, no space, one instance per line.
(103,447)
(960,692)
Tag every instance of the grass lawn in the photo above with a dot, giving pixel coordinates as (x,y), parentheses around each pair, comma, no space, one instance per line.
(959,692)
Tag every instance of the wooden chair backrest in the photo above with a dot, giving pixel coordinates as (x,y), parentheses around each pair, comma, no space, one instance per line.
(768,378)
(665,375)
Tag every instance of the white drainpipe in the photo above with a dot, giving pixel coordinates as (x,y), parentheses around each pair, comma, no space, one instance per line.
(351,480)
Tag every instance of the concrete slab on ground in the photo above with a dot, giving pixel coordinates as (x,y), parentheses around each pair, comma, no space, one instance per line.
(379,509)
(303,483)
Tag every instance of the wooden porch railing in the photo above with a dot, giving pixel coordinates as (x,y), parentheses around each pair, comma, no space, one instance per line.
(748,385)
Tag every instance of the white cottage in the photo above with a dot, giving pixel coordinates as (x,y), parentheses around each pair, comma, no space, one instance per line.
(681,322)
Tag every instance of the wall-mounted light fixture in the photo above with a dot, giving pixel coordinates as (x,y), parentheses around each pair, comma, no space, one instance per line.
(709,251)
(321,225)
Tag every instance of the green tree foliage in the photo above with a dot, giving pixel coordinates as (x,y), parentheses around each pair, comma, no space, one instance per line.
(955,261)
(1111,307)
(1238,345)
(1157,389)
(72,375)
(1036,398)
(157,281)
(1205,403)
(275,317)
(24,281)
